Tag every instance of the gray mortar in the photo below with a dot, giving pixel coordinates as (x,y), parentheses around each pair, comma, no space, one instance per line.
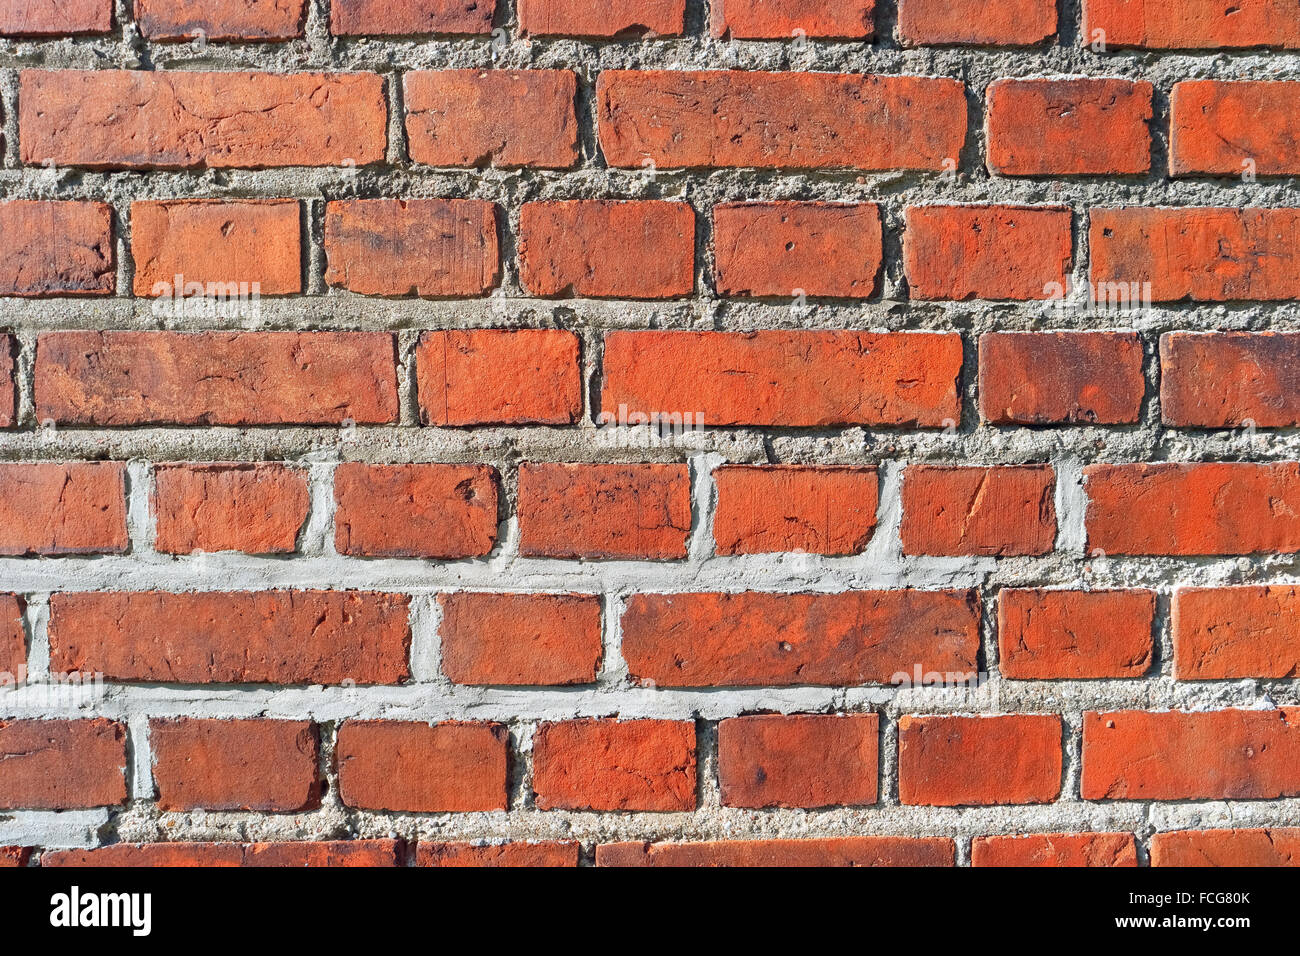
(432,697)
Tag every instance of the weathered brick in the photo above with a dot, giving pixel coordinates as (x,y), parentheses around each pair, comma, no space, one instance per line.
(987,252)
(976,22)
(13,641)
(499,377)
(410,17)
(1074,635)
(1241,632)
(52,509)
(1055,849)
(811,760)
(1230,379)
(216,378)
(978,761)
(365,853)
(770,508)
(1057,378)
(14,856)
(999,511)
(604,512)
(428,511)
(722,118)
(1190,24)
(520,639)
(793,378)
(1272,846)
(841,851)
(62,764)
(264,765)
(608,20)
(759,639)
(765,20)
(8,381)
(1174,755)
(254,508)
(785,249)
(1234,128)
(121,119)
(221,19)
(55,18)
(56,248)
(497,854)
(452,767)
(615,765)
(504,118)
(264,637)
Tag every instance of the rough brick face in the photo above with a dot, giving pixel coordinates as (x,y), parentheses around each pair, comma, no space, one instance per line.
(604,511)
(271,637)
(795,378)
(1234,128)
(800,761)
(1230,379)
(111,119)
(1191,24)
(1074,635)
(1059,378)
(499,377)
(56,248)
(62,764)
(780,20)
(215,378)
(13,641)
(976,22)
(265,765)
(221,19)
(997,512)
(53,18)
(1196,509)
(844,851)
(1172,755)
(497,855)
(787,249)
(773,508)
(1049,127)
(1231,633)
(452,767)
(1055,849)
(615,765)
(757,639)
(1278,846)
(8,395)
(493,118)
(520,639)
(787,120)
(54,509)
(257,509)
(410,17)
(976,761)
(613,18)
(220,245)
(359,853)
(429,511)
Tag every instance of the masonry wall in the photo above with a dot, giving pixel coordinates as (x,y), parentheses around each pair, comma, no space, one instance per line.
(331,529)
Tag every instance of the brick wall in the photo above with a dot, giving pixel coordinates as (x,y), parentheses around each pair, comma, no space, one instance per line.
(329,332)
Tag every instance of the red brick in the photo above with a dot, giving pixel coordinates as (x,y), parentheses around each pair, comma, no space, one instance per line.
(221,19)
(1074,635)
(1231,633)
(1058,378)
(1191,24)
(568,249)
(254,508)
(793,378)
(497,854)
(1055,849)
(452,767)
(825,640)
(520,639)
(14,856)
(13,641)
(505,118)
(55,18)
(120,119)
(264,637)
(52,509)
(499,377)
(265,765)
(216,378)
(978,761)
(1234,128)
(1276,846)
(842,851)
(410,17)
(437,248)
(976,22)
(230,247)
(1200,255)
(604,512)
(723,118)
(1000,511)
(1229,379)
(62,764)
(1049,127)
(56,248)
(615,765)
(772,508)
(987,252)
(780,20)
(780,249)
(808,761)
(8,381)
(1197,509)
(341,853)
(1214,755)
(427,511)
(610,19)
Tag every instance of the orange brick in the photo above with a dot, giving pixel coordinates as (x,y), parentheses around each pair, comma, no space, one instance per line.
(62,764)
(1057,378)
(615,765)
(819,510)
(1000,511)
(55,18)
(56,248)
(1230,379)
(410,17)
(520,639)
(810,760)
(611,19)
(763,20)
(1055,849)
(53,509)
(844,851)
(254,508)
(498,854)
(977,761)
(1233,633)
(1190,24)
(976,22)
(221,19)
(1275,846)
(1074,635)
